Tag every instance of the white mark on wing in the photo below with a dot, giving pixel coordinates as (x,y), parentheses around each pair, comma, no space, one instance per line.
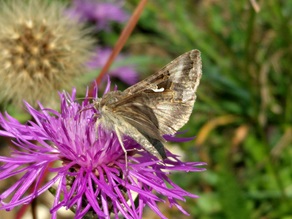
(157,90)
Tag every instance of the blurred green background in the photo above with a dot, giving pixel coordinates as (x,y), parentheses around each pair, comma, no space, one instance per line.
(242,118)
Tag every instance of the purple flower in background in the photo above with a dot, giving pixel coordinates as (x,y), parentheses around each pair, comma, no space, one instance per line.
(103,14)
(92,177)
(126,73)
(99,12)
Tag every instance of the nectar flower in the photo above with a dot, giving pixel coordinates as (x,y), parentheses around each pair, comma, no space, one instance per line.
(100,12)
(93,178)
(125,73)
(41,51)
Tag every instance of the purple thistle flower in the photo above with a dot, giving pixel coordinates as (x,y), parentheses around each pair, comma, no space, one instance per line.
(93,178)
(99,12)
(125,73)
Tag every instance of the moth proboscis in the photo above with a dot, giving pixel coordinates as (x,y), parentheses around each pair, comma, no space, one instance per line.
(158,105)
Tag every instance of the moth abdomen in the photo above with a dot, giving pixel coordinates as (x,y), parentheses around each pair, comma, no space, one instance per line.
(158,146)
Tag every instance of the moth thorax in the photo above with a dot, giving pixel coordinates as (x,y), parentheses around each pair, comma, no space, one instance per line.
(110,98)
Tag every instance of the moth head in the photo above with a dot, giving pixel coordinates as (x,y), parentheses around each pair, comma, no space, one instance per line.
(96,103)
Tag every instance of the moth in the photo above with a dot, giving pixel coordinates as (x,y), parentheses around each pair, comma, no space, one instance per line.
(158,105)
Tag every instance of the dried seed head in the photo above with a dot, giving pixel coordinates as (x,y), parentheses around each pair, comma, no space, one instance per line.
(41,51)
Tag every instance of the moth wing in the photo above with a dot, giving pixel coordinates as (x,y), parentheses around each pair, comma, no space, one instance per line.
(166,98)
(145,124)
(171,114)
(136,112)
(186,69)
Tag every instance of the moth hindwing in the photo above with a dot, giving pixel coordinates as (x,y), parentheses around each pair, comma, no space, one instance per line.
(158,105)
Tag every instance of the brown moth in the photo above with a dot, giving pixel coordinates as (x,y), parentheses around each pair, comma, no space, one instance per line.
(158,105)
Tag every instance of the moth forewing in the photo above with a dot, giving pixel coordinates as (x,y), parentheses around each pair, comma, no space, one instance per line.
(158,105)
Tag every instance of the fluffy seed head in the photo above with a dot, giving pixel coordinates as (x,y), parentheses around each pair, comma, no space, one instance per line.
(41,51)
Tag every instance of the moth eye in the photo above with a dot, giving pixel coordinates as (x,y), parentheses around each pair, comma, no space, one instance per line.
(96,105)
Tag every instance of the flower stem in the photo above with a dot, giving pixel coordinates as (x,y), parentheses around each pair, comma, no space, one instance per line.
(121,41)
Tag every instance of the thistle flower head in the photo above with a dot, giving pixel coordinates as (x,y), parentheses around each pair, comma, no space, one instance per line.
(93,178)
(41,50)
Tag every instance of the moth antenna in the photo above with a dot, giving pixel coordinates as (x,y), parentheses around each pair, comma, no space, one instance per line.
(91,107)
(83,98)
(85,109)
(70,101)
(123,147)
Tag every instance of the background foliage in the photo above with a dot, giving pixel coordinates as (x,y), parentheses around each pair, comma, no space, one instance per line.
(242,119)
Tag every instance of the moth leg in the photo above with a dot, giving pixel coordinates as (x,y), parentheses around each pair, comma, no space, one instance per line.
(119,135)
(96,125)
